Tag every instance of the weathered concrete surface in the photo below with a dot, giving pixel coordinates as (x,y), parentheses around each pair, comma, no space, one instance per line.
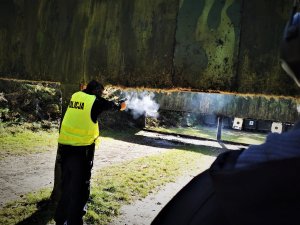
(73,41)
(207,41)
(263,107)
(282,109)
(227,45)
(261,32)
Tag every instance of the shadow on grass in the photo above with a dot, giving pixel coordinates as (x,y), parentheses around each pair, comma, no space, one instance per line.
(42,216)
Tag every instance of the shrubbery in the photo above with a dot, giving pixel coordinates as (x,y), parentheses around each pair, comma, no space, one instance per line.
(28,101)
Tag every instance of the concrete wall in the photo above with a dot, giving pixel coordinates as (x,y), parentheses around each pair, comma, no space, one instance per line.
(260,107)
(227,45)
(259,66)
(121,42)
(207,41)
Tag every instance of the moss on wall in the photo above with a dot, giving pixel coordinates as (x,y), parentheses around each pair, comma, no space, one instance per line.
(207,46)
(229,45)
(260,107)
(282,109)
(124,43)
(261,31)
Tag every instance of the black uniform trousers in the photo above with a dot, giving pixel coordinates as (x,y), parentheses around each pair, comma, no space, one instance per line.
(77,163)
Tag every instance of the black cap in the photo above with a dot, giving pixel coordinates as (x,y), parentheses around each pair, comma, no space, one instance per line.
(94,87)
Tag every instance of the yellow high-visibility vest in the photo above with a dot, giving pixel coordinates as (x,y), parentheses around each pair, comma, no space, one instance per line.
(77,127)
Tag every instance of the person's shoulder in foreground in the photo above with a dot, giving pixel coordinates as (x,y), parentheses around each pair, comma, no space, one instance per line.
(259,185)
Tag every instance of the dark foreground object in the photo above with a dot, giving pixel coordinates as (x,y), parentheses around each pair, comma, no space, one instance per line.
(265,193)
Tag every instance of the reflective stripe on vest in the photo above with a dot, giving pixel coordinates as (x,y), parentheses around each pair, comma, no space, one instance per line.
(77,128)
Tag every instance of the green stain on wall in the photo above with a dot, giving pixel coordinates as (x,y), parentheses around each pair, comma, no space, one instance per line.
(227,45)
(189,56)
(260,107)
(123,43)
(208,39)
(219,42)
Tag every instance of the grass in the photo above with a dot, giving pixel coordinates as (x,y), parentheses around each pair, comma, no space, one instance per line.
(26,139)
(30,138)
(113,186)
(31,209)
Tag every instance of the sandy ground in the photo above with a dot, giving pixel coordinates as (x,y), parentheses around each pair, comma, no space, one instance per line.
(23,174)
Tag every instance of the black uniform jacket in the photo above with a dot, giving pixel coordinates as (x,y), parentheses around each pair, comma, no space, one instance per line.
(262,194)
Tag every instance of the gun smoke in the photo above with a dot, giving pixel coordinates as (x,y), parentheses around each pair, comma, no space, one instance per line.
(143,103)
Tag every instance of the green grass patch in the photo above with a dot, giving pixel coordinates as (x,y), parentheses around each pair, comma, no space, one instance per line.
(30,138)
(22,140)
(114,186)
(34,208)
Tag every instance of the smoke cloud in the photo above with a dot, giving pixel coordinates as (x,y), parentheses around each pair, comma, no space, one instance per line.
(141,103)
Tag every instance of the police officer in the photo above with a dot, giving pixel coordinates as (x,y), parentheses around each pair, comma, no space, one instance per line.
(78,133)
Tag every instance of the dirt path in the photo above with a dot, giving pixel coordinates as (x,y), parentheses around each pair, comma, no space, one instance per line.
(23,174)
